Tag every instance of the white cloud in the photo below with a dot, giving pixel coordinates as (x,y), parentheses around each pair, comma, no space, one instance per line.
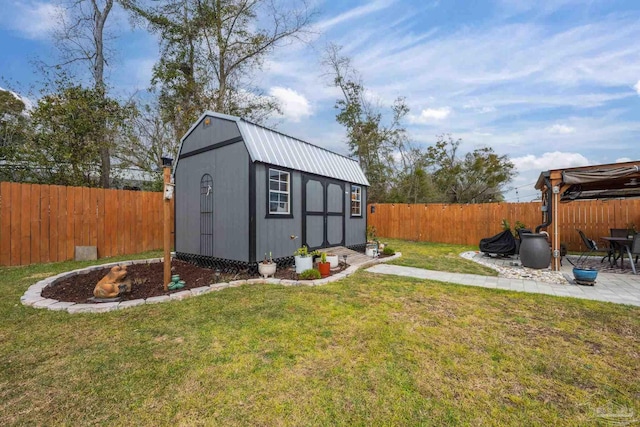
(561,129)
(637,87)
(547,161)
(475,106)
(429,114)
(293,104)
(354,13)
(623,160)
(34,20)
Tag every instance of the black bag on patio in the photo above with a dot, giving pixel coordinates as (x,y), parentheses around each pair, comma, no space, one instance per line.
(501,244)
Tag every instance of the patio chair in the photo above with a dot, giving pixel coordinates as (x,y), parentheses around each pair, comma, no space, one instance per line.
(635,250)
(612,249)
(591,247)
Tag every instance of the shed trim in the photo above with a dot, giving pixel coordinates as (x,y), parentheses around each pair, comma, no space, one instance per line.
(211,147)
(267,214)
(252,211)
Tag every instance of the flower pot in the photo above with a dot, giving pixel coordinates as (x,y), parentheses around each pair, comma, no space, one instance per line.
(585,276)
(333,260)
(267,270)
(324,268)
(371,250)
(534,250)
(303,263)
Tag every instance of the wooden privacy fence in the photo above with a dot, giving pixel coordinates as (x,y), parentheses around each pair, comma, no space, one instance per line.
(44,223)
(467,224)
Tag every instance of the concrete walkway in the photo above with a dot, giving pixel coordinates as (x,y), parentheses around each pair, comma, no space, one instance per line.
(619,288)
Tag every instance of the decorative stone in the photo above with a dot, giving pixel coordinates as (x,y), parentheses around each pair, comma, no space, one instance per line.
(30,300)
(83,308)
(86,253)
(103,308)
(199,291)
(103,300)
(44,302)
(181,295)
(60,305)
(350,270)
(132,303)
(155,300)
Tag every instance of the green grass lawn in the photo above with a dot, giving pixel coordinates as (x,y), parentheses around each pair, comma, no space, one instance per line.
(367,350)
(437,256)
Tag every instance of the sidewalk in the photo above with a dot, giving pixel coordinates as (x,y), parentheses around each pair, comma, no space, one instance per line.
(616,290)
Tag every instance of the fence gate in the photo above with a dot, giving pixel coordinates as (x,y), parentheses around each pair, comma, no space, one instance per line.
(206,215)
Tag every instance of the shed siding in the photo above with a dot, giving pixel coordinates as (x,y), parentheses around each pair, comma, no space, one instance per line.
(219,130)
(229,167)
(356,228)
(187,204)
(273,234)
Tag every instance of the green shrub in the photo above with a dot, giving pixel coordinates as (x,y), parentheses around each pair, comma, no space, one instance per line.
(310,274)
(388,251)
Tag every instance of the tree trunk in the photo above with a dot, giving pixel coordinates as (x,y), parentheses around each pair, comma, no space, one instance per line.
(100,17)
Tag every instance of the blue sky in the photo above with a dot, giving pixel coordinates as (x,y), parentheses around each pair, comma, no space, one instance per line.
(550,83)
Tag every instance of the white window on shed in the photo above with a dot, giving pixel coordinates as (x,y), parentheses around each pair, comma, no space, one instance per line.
(356,200)
(279,192)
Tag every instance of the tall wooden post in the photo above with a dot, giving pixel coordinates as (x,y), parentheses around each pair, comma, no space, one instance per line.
(168,195)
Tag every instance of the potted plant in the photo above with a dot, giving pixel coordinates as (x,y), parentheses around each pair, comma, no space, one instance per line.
(304,259)
(323,266)
(583,273)
(267,267)
(332,259)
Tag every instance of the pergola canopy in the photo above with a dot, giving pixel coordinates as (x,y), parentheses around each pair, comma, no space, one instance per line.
(605,181)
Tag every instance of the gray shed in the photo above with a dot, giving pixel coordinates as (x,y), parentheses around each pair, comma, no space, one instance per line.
(243,190)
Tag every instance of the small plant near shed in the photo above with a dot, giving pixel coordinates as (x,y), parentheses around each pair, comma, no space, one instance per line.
(371,233)
(388,251)
(311,274)
(323,266)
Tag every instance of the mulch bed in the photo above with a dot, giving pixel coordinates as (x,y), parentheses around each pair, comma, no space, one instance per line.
(146,280)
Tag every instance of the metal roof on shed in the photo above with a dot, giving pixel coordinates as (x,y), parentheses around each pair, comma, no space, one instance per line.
(269,146)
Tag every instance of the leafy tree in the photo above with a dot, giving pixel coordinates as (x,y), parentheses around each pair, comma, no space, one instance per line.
(148,138)
(13,121)
(475,178)
(81,40)
(210,50)
(69,129)
(372,142)
(413,183)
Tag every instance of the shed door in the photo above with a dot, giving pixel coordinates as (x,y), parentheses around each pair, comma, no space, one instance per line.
(322,212)
(206,215)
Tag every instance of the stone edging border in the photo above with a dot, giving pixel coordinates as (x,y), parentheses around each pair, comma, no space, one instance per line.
(33,296)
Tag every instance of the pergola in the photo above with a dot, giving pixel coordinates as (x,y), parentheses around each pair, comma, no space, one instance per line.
(607,181)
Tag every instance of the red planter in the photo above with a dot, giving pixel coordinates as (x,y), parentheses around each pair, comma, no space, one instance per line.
(324,268)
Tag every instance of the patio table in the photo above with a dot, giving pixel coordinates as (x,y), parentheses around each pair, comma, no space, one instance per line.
(621,245)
